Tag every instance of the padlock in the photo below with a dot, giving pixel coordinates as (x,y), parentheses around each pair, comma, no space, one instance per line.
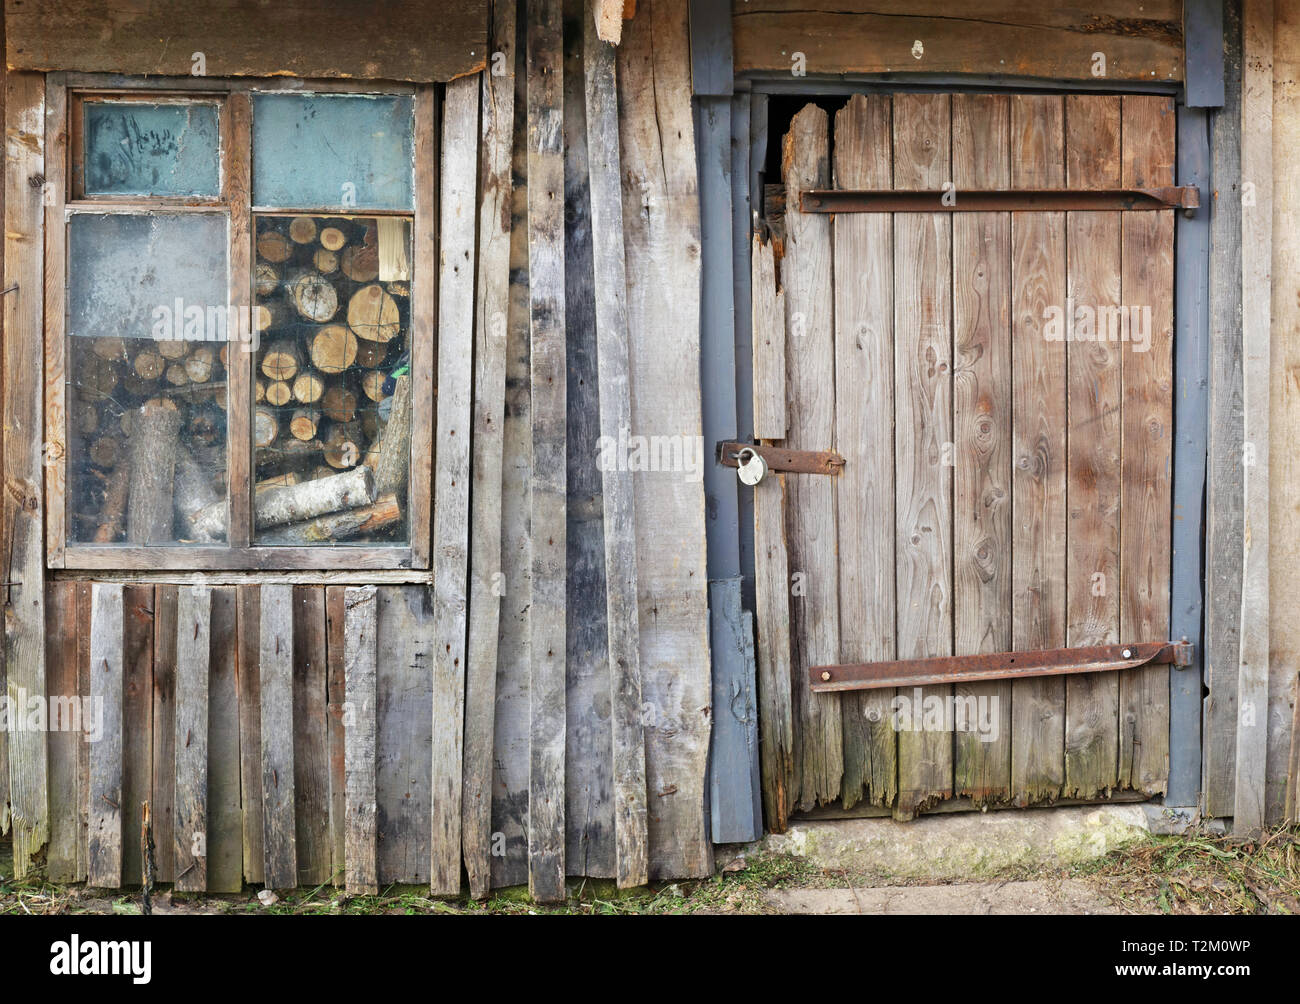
(751,468)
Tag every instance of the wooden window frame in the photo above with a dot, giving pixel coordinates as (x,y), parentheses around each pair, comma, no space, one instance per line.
(65,94)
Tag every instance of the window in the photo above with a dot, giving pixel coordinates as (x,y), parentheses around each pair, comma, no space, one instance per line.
(245,331)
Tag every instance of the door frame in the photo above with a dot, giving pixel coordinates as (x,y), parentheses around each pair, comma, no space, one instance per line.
(732,142)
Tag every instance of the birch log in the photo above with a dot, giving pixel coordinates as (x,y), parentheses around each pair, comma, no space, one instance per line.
(153,463)
(295,503)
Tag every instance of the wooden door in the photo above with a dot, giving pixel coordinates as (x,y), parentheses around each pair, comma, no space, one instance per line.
(1006,483)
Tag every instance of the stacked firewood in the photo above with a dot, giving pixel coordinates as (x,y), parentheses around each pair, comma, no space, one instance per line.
(331,415)
(331,383)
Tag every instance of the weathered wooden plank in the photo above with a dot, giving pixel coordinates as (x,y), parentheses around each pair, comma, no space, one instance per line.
(510,724)
(1054,41)
(982,408)
(1282,757)
(923,433)
(248,628)
(546,802)
(1224,546)
(492,303)
(360,852)
(104,837)
(55,310)
(22,552)
(69,724)
(1204,54)
(771,563)
(1038,411)
(1256,307)
(864,424)
(85,609)
(735,809)
(424,302)
(1146,364)
(275,679)
(619,503)
(335,654)
(404,716)
(225,818)
(310,752)
(162,805)
(810,397)
(588,764)
(662,236)
(193,657)
(1093,478)
(410,40)
(452,475)
(137,723)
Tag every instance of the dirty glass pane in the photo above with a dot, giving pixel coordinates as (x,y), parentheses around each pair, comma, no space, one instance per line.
(332,417)
(142,149)
(146,424)
(333,151)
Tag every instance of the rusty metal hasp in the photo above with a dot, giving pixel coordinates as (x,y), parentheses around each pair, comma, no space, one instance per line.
(998,666)
(780,459)
(1185,197)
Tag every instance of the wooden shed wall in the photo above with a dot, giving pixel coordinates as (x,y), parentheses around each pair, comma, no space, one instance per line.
(540,699)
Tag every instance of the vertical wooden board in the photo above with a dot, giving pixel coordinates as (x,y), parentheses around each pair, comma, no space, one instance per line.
(496,116)
(509,863)
(546,801)
(56,231)
(1257,360)
(982,403)
(425,300)
(661,221)
(193,655)
(161,809)
(452,475)
(1093,481)
(772,611)
(768,340)
(1226,448)
(310,749)
(248,626)
(864,437)
(589,737)
(360,644)
(67,730)
(104,836)
(225,818)
(239,388)
(137,723)
(404,717)
(923,436)
(84,612)
(1146,436)
(22,551)
(275,678)
(1038,435)
(618,504)
(810,397)
(335,654)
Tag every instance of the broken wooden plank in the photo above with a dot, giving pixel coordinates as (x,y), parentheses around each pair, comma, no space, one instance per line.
(546,821)
(361,641)
(619,504)
(1147,423)
(193,655)
(104,839)
(864,433)
(275,677)
(662,235)
(1093,479)
(982,409)
(492,302)
(923,433)
(1038,450)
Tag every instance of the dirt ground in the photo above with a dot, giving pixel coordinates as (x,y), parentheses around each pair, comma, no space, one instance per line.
(1190,874)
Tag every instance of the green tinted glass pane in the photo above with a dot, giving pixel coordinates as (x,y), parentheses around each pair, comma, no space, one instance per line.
(333,151)
(141,149)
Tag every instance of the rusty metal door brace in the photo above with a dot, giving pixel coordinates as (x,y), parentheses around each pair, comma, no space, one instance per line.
(1186,197)
(998,666)
(778,459)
